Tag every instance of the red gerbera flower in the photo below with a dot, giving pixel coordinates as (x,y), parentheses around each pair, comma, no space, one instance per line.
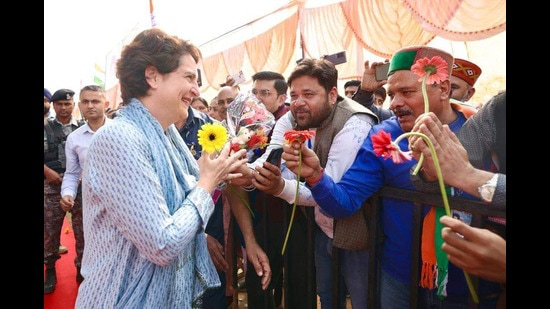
(383,146)
(235,147)
(257,141)
(298,136)
(436,67)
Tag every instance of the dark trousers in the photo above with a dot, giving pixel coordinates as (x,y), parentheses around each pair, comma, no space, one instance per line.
(270,235)
(215,298)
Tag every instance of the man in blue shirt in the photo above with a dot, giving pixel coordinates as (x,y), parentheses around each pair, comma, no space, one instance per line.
(370,172)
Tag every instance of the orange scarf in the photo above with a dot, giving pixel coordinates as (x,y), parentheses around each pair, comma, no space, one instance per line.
(435,262)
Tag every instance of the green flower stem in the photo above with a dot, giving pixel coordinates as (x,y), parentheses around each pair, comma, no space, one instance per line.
(426,110)
(295,201)
(425,93)
(443,193)
(419,165)
(241,198)
(436,162)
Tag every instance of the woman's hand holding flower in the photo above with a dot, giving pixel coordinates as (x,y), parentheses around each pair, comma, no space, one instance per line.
(214,168)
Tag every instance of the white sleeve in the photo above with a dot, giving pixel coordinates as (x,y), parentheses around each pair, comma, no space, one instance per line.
(73,170)
(342,153)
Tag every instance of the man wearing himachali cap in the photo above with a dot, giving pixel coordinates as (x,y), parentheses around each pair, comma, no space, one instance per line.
(463,78)
(370,172)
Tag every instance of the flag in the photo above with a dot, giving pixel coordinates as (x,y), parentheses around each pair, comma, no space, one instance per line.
(99,69)
(110,65)
(98,81)
(99,76)
(152,10)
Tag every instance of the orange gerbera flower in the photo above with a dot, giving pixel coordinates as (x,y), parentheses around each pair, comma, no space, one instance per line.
(435,67)
(290,137)
(298,135)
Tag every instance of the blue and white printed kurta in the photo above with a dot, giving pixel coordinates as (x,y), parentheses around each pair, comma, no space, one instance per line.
(144,218)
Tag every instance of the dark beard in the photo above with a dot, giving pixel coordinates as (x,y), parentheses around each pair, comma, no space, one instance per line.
(46,110)
(316,120)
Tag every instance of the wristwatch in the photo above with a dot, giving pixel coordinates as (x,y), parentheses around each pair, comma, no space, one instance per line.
(487,190)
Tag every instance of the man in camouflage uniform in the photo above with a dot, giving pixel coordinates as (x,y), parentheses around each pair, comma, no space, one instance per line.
(47,103)
(55,134)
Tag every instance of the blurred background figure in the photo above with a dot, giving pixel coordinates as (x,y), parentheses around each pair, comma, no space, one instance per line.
(226,95)
(47,105)
(199,103)
(350,87)
(213,109)
(380,96)
(463,79)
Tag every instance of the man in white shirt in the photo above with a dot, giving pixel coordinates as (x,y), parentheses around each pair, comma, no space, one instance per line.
(316,105)
(92,104)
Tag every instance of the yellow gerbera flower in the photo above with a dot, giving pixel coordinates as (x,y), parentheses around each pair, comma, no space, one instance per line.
(212,137)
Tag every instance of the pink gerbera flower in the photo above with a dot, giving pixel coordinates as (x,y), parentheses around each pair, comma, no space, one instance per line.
(435,67)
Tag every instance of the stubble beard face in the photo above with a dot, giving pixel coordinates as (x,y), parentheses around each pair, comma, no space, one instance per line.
(312,119)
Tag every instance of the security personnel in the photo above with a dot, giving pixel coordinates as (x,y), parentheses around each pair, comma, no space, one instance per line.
(55,134)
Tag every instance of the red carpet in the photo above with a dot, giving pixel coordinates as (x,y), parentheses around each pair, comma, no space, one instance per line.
(64,296)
